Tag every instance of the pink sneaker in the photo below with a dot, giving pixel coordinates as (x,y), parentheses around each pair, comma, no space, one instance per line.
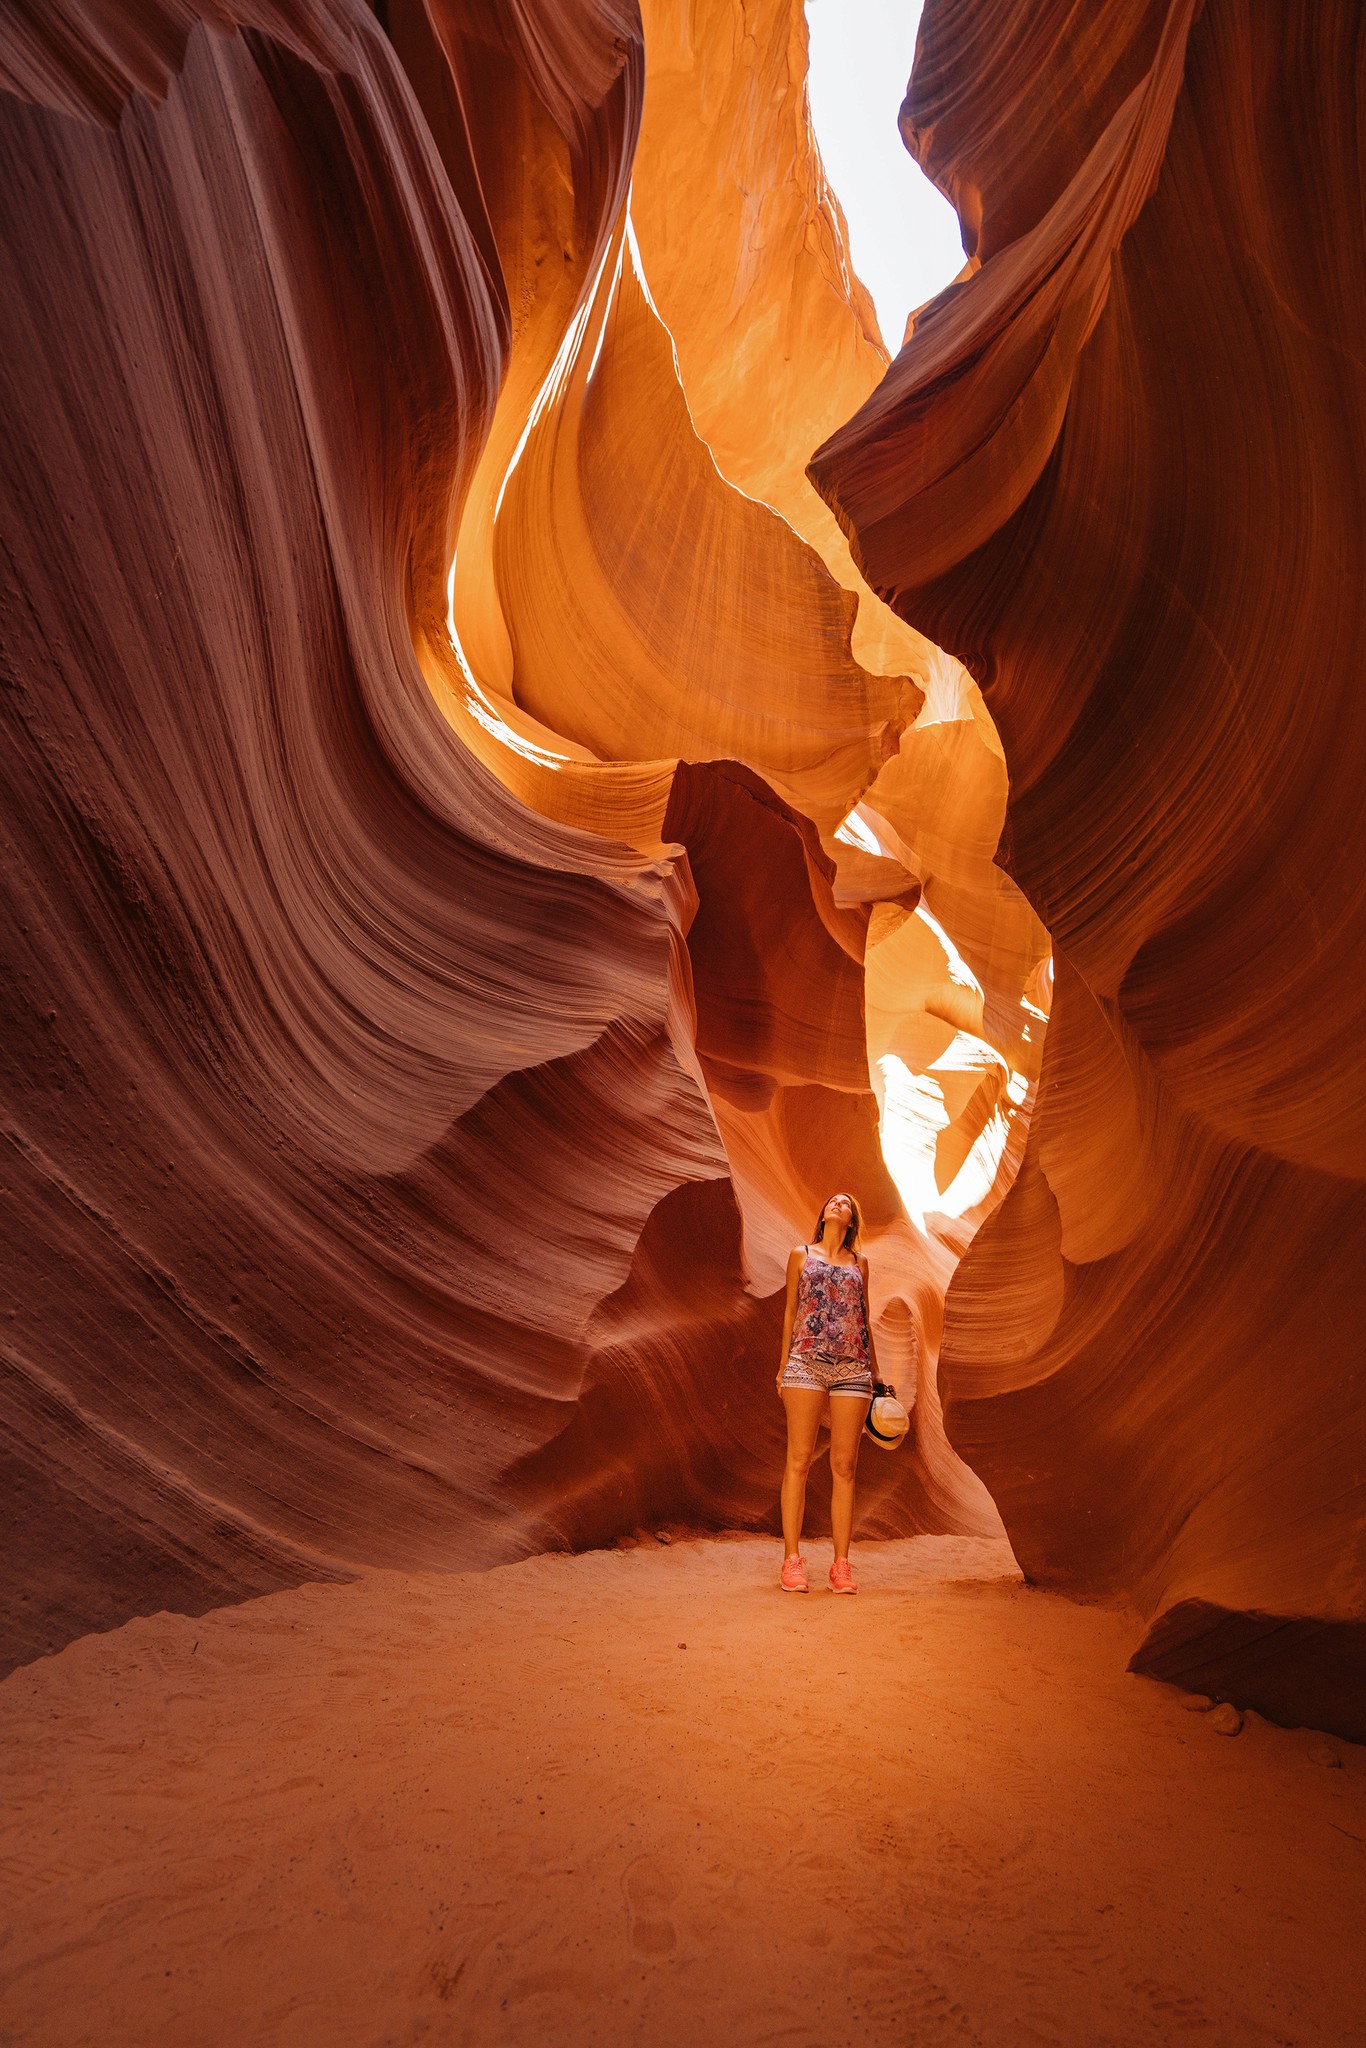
(842,1576)
(794,1576)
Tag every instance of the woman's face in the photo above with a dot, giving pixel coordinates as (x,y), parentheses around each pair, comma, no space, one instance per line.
(839,1213)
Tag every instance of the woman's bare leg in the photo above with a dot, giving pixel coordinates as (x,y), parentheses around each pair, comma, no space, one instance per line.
(805,1406)
(847,1416)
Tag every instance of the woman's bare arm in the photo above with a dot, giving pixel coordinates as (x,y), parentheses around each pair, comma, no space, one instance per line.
(868,1304)
(794,1274)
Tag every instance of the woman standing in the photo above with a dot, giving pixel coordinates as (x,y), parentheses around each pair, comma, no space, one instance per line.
(828,1358)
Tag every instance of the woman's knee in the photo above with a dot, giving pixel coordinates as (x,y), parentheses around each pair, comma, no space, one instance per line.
(843,1465)
(799,1463)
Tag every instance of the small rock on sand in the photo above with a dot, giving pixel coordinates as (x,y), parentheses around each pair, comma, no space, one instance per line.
(1197,1703)
(1225,1719)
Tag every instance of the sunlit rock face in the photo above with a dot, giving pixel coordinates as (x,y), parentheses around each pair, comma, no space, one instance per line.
(477,874)
(1118,472)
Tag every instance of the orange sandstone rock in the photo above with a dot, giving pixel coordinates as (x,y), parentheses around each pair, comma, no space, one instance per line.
(1117,472)
(409,1081)
(298,996)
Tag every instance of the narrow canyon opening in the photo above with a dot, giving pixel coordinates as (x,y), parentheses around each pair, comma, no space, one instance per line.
(541,739)
(658,632)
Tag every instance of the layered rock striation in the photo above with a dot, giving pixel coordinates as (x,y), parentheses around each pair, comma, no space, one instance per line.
(488,847)
(438,958)
(295,987)
(1118,472)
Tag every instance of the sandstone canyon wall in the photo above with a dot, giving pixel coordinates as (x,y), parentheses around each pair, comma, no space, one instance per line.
(1118,471)
(476,873)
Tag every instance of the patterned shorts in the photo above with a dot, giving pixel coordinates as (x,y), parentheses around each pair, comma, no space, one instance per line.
(827,1375)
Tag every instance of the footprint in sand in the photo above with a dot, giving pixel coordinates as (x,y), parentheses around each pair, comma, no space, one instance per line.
(649,1896)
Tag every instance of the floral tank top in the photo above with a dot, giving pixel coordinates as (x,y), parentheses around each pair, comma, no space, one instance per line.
(832,1314)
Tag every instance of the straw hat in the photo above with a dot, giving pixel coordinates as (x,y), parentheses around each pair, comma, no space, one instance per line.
(887,1421)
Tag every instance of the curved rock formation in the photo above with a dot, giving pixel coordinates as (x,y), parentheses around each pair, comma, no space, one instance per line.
(354,899)
(1117,472)
(296,991)
(752,307)
(776,338)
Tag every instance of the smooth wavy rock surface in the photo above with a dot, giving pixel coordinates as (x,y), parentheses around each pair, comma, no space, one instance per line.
(297,993)
(414,1076)
(776,338)
(1118,472)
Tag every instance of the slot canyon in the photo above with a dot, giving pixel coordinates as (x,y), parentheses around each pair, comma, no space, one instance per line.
(538,743)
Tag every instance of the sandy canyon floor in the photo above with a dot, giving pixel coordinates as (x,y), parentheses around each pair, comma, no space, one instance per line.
(642,1796)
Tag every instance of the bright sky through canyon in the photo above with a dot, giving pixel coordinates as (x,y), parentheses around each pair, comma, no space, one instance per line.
(903,234)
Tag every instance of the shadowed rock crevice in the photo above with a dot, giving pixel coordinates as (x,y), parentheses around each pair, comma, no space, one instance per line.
(1297,1670)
